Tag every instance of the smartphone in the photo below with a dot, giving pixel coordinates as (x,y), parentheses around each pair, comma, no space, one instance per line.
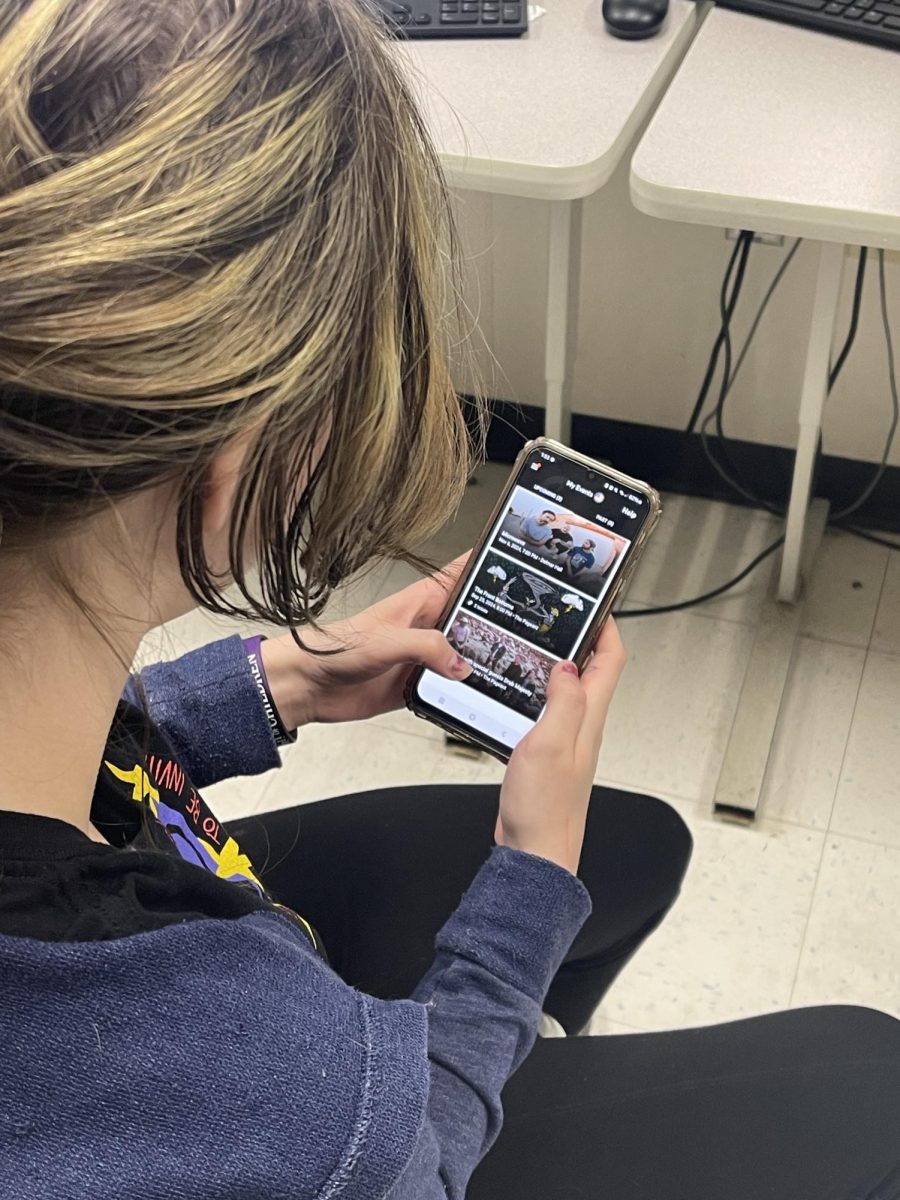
(556,552)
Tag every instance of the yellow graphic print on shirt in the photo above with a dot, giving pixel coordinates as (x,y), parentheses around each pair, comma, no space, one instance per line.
(142,788)
(165,788)
(207,843)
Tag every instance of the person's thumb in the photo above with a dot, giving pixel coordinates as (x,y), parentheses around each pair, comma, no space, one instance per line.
(601,676)
(429,648)
(565,702)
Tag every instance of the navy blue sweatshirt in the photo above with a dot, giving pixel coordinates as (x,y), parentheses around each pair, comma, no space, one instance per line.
(167,1030)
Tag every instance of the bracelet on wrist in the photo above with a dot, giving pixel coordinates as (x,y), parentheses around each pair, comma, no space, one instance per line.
(253,650)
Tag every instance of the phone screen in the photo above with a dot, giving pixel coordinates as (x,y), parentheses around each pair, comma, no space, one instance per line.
(559,541)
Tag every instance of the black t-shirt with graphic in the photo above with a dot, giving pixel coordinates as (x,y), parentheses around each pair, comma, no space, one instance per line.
(168,860)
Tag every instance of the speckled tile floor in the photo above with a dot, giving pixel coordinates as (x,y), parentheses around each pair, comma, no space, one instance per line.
(800,909)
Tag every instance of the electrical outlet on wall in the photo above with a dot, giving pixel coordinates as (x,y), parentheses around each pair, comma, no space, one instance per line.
(764,239)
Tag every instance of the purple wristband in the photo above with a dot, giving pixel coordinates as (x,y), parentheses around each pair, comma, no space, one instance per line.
(252,648)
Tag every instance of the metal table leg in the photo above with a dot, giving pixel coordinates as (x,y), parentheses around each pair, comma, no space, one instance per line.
(563,279)
(762,693)
(812,402)
(756,718)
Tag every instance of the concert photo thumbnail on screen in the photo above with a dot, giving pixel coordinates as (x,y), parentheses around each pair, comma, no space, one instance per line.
(548,613)
(503,666)
(568,547)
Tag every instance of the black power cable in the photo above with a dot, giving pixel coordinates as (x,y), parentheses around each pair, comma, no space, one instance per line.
(723,341)
(770,292)
(895,403)
(727,305)
(733,479)
(871,537)
(854,317)
(838,519)
(669,608)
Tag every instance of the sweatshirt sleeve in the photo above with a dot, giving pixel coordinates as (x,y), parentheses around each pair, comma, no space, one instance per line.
(483,994)
(207,705)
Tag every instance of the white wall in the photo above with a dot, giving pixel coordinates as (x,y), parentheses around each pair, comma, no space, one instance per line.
(649,314)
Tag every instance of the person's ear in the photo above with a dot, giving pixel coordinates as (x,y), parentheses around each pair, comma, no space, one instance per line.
(219,493)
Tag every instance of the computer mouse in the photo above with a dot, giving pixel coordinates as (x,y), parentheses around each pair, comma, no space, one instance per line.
(634,18)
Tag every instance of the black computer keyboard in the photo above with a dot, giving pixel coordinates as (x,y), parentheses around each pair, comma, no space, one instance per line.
(875,21)
(455,18)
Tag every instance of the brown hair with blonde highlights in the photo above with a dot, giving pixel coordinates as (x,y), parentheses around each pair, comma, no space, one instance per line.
(218,218)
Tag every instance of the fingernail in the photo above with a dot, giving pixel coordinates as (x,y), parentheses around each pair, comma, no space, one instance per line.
(570,668)
(460,667)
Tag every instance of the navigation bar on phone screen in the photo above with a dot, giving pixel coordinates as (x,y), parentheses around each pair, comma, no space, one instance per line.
(470,714)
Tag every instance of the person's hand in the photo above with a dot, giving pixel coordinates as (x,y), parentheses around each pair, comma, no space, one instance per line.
(547,786)
(381,645)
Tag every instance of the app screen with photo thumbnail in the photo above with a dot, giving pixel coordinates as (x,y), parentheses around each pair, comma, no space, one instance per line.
(556,548)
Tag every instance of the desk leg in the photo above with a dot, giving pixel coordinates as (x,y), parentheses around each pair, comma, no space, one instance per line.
(812,402)
(563,278)
(746,758)
(756,719)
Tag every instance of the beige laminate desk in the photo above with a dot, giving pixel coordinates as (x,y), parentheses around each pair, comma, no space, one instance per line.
(547,116)
(780,130)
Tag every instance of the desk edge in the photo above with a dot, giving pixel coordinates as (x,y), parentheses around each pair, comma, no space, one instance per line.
(764,216)
(479,174)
